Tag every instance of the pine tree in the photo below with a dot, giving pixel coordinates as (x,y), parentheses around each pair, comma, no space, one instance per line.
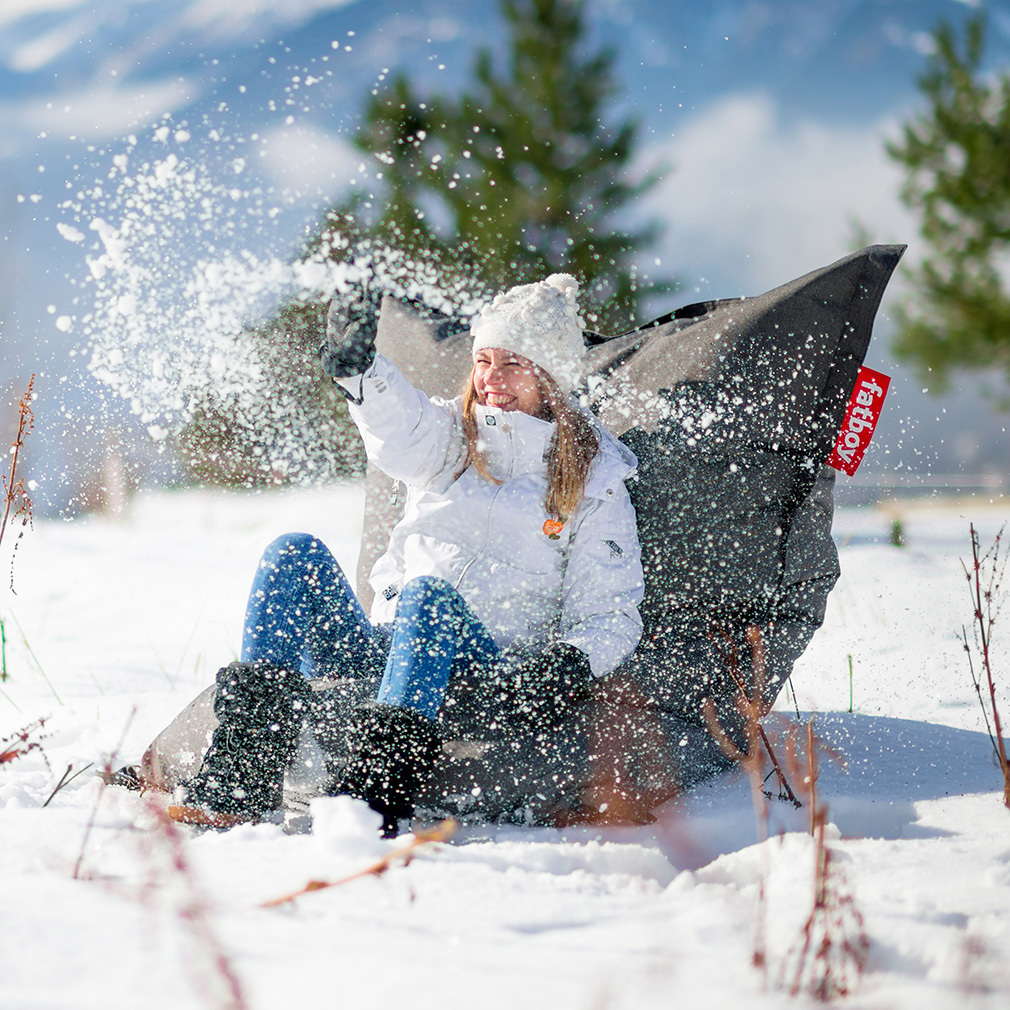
(520,176)
(957,158)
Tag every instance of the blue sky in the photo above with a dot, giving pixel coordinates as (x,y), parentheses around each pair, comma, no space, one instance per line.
(773,116)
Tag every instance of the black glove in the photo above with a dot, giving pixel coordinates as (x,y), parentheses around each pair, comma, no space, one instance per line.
(544,690)
(351,324)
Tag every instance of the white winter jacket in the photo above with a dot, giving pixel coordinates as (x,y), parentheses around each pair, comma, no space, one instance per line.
(487,540)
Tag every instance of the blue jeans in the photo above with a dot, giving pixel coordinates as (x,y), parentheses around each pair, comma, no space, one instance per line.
(302,614)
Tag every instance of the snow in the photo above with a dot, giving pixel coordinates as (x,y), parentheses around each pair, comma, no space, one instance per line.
(116,624)
(170,286)
(69,232)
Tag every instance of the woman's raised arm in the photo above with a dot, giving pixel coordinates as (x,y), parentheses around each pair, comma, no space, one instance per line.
(407,435)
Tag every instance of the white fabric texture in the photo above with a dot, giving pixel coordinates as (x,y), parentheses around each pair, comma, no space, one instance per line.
(541,322)
(488,540)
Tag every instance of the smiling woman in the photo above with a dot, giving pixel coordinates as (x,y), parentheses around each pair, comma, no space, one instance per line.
(507,381)
(508,588)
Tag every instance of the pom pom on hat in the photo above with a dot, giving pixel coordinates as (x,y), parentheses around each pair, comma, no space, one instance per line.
(541,322)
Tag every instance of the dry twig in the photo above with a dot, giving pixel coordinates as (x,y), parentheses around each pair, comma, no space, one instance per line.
(107,768)
(803,768)
(751,708)
(830,954)
(66,779)
(24,741)
(13,486)
(985,582)
(439,833)
(195,913)
(14,492)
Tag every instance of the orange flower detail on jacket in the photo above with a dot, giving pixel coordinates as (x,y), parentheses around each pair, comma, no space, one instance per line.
(553,527)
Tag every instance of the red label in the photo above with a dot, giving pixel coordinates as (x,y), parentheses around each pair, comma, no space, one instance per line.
(860,420)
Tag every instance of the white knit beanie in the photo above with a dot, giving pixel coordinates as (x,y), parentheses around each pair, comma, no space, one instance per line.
(541,322)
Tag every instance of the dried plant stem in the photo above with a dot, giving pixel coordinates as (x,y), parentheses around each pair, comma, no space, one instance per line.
(759,958)
(14,488)
(35,659)
(751,708)
(18,744)
(833,947)
(784,788)
(754,700)
(985,583)
(830,954)
(66,779)
(101,792)
(60,784)
(439,833)
(814,771)
(194,911)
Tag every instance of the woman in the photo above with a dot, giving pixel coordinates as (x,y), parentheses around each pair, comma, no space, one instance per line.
(514,576)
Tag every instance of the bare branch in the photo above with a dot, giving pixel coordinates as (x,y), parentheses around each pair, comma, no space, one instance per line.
(441,832)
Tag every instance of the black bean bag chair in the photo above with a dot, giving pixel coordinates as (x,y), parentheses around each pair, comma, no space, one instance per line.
(732,408)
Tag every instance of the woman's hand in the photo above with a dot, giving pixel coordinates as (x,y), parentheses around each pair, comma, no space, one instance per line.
(351,324)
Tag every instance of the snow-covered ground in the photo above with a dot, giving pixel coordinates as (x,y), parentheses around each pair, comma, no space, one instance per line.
(117,623)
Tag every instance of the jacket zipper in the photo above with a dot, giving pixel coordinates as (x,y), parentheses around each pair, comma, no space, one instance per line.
(487,518)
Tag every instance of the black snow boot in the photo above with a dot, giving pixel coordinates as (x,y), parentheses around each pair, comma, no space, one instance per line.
(259,709)
(392,753)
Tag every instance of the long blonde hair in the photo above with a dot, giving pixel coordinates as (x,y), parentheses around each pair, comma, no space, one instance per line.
(573,447)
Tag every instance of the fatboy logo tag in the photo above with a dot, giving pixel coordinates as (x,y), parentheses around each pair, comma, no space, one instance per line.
(860,420)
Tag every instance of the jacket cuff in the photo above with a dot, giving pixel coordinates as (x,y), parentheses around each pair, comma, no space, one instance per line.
(352,386)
